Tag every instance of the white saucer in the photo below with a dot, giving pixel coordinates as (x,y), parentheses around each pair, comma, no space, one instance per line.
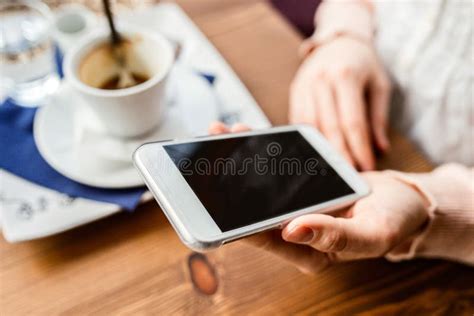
(71,141)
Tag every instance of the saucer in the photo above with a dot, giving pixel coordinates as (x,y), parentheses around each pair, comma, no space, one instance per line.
(72,141)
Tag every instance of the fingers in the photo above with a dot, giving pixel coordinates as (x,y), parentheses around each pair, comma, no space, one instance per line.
(329,122)
(312,102)
(303,257)
(338,236)
(302,104)
(220,128)
(340,117)
(379,97)
(353,120)
(239,127)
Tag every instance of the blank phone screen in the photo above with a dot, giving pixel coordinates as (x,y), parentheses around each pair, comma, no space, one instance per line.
(245,180)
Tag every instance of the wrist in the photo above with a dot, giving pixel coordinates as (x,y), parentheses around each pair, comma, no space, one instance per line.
(424,196)
(449,231)
(408,248)
(335,19)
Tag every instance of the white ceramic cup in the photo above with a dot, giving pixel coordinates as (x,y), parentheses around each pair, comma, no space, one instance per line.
(127,112)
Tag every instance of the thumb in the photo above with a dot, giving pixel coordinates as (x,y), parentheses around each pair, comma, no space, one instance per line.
(326,233)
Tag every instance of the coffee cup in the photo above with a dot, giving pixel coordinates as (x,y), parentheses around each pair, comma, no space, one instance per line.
(123,112)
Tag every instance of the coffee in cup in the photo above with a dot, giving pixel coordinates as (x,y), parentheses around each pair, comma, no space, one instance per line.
(112,61)
(93,72)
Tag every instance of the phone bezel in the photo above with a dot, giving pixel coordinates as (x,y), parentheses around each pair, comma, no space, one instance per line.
(194,225)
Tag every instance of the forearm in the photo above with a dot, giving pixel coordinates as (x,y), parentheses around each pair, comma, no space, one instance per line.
(334,18)
(449,233)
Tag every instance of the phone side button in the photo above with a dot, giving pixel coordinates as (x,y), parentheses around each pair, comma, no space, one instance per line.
(164,140)
(233,239)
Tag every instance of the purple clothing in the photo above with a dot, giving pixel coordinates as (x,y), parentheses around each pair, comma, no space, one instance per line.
(300,13)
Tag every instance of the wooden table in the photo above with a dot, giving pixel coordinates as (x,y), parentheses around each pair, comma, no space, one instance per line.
(134,263)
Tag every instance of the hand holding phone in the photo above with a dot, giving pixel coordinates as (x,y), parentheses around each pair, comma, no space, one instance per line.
(220,188)
(373,226)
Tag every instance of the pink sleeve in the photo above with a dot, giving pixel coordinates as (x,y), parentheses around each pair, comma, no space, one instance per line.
(449,233)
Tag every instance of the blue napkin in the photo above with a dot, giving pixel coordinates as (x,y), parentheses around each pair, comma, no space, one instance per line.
(20,156)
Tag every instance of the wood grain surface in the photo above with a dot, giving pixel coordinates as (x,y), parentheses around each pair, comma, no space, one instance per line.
(135,264)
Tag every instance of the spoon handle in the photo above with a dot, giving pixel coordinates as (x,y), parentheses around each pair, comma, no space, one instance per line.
(116,39)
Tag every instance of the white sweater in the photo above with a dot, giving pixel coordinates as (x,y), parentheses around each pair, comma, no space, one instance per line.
(428,48)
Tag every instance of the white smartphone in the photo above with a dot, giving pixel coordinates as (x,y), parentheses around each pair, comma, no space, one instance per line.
(217,189)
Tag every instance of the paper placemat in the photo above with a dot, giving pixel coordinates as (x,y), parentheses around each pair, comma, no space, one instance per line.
(29,211)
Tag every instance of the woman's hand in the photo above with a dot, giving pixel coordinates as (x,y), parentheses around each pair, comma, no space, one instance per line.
(342,89)
(392,213)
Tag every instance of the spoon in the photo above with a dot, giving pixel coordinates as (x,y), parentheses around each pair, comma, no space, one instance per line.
(125,77)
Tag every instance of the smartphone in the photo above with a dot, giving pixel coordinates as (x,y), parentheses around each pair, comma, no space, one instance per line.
(217,189)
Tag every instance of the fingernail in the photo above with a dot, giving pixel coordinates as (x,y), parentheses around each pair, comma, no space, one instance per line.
(300,234)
